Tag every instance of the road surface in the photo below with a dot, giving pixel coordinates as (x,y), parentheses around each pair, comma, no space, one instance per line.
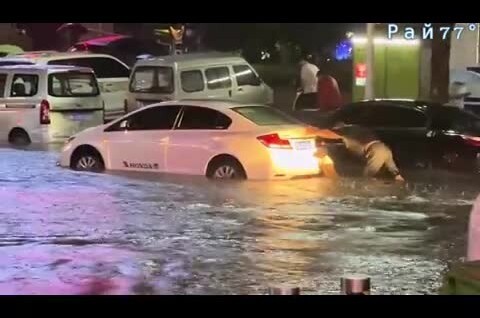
(181,235)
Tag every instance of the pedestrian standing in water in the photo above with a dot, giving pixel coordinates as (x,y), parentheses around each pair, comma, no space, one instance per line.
(329,97)
(365,144)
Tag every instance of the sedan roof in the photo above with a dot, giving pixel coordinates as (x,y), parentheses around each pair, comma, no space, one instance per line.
(213,104)
(41,67)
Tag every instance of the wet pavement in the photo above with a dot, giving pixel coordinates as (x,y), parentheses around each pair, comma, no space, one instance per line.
(62,232)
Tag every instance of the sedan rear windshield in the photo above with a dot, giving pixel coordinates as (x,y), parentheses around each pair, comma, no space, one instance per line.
(72,84)
(265,116)
(152,79)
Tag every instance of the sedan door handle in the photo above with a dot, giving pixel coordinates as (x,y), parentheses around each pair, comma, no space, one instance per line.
(240,89)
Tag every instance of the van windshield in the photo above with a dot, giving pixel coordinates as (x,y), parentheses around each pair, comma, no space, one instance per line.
(152,79)
(72,84)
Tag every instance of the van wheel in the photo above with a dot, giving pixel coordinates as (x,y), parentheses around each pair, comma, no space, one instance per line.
(19,137)
(87,160)
(226,168)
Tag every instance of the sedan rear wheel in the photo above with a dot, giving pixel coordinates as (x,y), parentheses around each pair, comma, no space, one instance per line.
(226,169)
(225,172)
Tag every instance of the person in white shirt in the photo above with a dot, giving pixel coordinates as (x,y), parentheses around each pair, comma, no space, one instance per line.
(308,75)
(458,91)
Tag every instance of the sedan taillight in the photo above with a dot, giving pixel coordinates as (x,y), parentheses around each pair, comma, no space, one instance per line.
(274,141)
(471,140)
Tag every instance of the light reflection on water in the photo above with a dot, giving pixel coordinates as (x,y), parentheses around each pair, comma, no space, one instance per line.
(187,235)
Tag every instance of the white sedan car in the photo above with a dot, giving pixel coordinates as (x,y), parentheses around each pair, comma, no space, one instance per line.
(216,139)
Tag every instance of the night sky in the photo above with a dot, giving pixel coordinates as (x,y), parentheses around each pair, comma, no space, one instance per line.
(310,36)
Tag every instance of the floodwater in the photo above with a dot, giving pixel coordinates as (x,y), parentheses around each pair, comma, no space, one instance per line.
(62,232)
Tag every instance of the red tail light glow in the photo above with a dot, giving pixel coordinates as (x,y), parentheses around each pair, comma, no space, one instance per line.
(44,113)
(472,141)
(274,141)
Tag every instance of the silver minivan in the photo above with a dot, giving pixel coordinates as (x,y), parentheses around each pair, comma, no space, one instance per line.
(196,76)
(111,73)
(45,104)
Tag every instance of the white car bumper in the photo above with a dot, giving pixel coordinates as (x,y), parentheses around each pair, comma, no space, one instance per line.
(65,155)
(44,135)
(284,164)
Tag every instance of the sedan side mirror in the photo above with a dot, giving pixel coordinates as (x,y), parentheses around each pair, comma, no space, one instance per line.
(257,81)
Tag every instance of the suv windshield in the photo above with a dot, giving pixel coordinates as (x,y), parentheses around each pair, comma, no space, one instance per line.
(72,84)
(152,79)
(447,118)
(265,116)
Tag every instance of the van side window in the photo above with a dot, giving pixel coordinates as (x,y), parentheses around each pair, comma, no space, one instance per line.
(245,76)
(103,67)
(3,83)
(218,78)
(24,85)
(152,79)
(192,81)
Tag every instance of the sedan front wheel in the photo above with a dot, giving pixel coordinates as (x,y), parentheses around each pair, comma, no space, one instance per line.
(87,161)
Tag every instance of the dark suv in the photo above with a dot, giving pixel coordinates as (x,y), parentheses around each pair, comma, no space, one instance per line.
(421,134)
(125,48)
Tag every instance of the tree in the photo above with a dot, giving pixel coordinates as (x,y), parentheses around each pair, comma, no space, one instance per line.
(440,64)
(43,35)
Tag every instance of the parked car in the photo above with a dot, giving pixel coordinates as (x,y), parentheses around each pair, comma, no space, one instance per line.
(196,76)
(305,109)
(123,47)
(421,134)
(216,139)
(112,74)
(43,104)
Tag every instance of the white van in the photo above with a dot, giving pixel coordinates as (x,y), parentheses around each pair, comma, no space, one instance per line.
(45,104)
(112,74)
(196,76)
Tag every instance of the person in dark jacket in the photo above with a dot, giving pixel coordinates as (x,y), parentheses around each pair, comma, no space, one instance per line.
(364,143)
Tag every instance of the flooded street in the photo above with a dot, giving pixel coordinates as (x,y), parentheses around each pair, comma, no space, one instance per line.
(59,229)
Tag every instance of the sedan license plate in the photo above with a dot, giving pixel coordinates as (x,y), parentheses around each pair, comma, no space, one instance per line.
(303,145)
(80,117)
